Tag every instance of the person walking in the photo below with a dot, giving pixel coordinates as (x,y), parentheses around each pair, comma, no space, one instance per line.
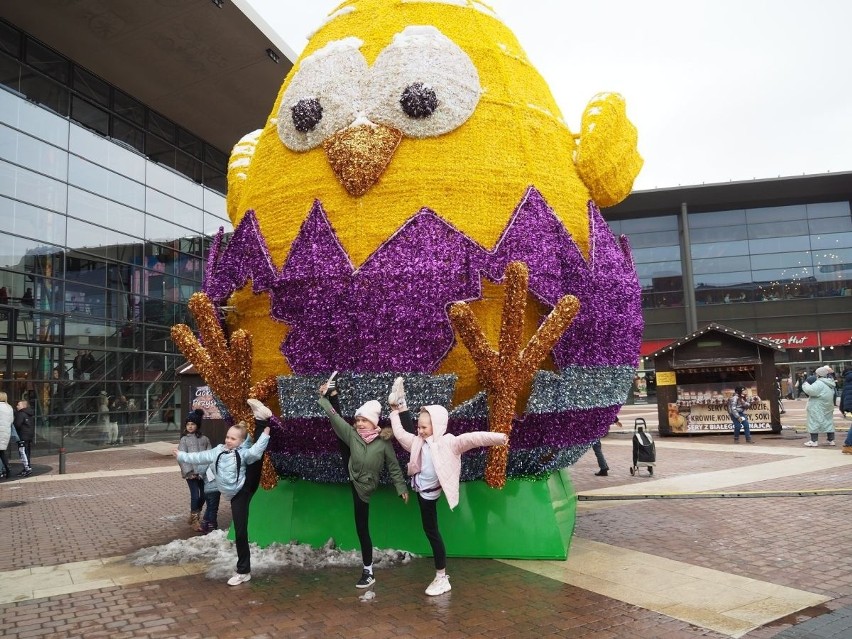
(25,427)
(820,408)
(846,407)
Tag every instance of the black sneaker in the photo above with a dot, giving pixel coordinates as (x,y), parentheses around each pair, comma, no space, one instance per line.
(26,472)
(366,580)
(602,473)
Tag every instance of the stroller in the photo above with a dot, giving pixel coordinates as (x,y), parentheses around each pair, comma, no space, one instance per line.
(644,450)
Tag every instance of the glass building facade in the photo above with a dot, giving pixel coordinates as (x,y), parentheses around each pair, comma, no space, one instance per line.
(781,271)
(106,209)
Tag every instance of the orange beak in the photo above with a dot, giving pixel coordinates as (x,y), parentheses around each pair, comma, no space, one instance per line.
(360,154)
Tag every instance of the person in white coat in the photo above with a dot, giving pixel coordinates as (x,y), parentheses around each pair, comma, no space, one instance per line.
(820,389)
(434,467)
(7,416)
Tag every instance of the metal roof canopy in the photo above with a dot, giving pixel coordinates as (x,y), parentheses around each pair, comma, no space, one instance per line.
(204,67)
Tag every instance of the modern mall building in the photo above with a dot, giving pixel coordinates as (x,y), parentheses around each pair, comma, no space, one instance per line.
(116,120)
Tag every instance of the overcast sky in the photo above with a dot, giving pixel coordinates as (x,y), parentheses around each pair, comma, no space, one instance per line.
(719,89)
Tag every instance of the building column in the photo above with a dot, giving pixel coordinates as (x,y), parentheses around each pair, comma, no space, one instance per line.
(688,279)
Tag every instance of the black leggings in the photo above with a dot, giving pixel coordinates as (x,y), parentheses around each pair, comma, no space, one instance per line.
(362,526)
(240,512)
(429,516)
(5,462)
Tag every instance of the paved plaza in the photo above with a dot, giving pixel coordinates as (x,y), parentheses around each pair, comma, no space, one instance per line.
(724,541)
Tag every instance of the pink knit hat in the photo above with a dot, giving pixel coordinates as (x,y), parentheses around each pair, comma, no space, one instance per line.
(370,411)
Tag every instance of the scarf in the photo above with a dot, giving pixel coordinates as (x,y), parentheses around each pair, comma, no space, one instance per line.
(368,436)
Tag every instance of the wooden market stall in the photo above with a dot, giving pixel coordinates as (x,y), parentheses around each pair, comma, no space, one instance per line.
(697,374)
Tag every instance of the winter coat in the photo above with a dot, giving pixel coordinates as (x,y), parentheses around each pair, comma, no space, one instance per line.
(820,408)
(365,460)
(846,397)
(738,405)
(25,424)
(7,416)
(191,444)
(230,476)
(446,449)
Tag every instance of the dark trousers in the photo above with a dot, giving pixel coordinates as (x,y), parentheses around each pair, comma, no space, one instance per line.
(240,513)
(196,494)
(5,460)
(429,517)
(362,526)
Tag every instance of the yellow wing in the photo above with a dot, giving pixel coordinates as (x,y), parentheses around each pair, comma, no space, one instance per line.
(607,157)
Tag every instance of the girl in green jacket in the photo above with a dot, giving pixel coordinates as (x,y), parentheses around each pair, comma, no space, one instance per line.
(368,453)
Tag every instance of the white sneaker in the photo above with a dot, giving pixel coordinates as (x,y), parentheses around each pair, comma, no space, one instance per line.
(831,443)
(397,396)
(261,413)
(238,579)
(811,443)
(439,586)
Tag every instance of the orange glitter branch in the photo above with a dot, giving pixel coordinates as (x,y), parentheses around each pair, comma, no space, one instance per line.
(225,367)
(504,374)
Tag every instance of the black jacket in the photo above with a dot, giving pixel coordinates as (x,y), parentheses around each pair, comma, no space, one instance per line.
(25,424)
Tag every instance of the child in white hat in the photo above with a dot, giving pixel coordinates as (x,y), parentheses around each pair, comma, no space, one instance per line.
(369,451)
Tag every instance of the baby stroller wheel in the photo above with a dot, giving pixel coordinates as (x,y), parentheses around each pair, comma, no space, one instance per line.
(651,471)
(632,470)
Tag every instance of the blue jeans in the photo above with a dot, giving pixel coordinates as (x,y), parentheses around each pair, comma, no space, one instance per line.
(196,494)
(848,441)
(744,425)
(211,514)
(596,447)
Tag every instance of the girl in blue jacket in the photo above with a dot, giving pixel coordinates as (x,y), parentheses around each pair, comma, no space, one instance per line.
(236,465)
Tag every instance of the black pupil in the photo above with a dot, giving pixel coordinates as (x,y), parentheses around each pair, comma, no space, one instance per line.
(418,100)
(307,114)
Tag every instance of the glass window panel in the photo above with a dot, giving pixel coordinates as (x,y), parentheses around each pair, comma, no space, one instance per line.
(31,221)
(212,225)
(216,158)
(793,260)
(129,134)
(214,203)
(788,228)
(719,249)
(94,208)
(128,108)
(91,86)
(47,61)
(157,230)
(103,152)
(823,225)
(724,279)
(43,124)
(715,265)
(649,224)
(23,184)
(645,255)
(173,210)
(189,166)
(10,72)
(215,180)
(719,234)
(10,40)
(823,257)
(834,241)
(34,154)
(794,276)
(45,91)
(92,239)
(104,182)
(174,184)
(775,214)
(89,115)
(716,219)
(828,209)
(786,244)
(190,144)
(658,269)
(644,240)
(26,255)
(161,126)
(82,269)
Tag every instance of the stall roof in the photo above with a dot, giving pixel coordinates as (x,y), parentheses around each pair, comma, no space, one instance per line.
(760,341)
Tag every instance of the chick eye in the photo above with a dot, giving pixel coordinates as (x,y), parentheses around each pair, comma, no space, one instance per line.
(418,100)
(323,96)
(422,83)
(307,113)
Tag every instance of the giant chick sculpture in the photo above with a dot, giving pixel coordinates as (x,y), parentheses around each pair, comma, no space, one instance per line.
(415,176)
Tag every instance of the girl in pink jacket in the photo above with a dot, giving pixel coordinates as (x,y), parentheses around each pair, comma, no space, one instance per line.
(435,467)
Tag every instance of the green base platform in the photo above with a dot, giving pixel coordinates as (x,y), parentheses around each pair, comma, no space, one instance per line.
(524,520)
